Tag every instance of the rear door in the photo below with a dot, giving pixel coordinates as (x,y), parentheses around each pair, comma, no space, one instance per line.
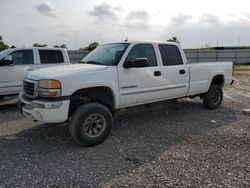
(175,72)
(140,85)
(50,57)
(12,75)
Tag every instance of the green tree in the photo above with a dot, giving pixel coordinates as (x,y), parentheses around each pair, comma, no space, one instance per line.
(173,39)
(81,49)
(39,45)
(3,46)
(206,46)
(61,46)
(91,46)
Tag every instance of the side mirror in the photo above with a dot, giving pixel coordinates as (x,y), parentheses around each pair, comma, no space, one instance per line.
(137,63)
(6,62)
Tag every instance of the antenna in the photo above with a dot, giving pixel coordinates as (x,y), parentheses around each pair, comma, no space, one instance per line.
(126,39)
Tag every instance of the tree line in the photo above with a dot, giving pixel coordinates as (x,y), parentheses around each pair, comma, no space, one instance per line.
(3,46)
(90,47)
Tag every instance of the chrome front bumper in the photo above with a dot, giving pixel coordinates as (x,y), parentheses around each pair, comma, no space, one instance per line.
(43,110)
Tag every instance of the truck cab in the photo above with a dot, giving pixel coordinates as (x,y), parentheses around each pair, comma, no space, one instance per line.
(165,74)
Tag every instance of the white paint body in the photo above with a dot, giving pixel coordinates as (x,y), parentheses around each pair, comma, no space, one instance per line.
(149,88)
(12,76)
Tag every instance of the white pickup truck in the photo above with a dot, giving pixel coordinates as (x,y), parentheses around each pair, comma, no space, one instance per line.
(115,76)
(16,62)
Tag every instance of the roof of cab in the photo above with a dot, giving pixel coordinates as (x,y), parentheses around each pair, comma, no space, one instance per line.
(146,41)
(40,48)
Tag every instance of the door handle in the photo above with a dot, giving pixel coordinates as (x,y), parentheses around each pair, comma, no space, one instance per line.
(157,73)
(182,71)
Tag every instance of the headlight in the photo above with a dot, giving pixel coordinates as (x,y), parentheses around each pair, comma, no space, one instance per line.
(49,88)
(49,84)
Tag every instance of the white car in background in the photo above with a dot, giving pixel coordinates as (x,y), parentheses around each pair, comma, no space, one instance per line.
(16,62)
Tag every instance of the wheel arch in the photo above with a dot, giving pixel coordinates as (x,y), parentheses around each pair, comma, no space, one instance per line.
(217,79)
(100,94)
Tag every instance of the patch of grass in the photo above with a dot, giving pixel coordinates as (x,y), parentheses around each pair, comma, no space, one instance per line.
(241,70)
(241,84)
(241,67)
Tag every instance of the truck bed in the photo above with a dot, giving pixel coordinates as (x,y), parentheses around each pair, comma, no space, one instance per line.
(202,73)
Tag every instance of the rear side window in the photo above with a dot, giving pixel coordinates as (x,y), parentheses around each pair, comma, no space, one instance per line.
(22,57)
(51,56)
(170,55)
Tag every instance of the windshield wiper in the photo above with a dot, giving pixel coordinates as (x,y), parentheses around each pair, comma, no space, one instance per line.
(94,62)
(81,61)
(90,62)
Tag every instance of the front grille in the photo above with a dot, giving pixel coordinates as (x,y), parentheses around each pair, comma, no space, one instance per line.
(29,88)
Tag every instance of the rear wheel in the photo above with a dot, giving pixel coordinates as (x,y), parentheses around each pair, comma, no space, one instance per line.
(91,124)
(213,98)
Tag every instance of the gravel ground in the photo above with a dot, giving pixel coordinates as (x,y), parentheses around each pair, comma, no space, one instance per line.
(174,143)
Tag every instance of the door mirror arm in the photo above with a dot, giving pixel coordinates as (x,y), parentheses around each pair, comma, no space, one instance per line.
(128,64)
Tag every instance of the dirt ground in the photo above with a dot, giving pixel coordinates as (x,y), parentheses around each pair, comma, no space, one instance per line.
(167,144)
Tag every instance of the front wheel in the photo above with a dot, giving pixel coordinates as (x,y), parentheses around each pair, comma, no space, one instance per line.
(213,98)
(91,124)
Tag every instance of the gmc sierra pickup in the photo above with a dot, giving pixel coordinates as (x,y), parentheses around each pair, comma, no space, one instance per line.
(115,76)
(15,63)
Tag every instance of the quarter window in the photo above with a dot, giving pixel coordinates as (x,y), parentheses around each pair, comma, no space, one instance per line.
(51,56)
(170,55)
(143,51)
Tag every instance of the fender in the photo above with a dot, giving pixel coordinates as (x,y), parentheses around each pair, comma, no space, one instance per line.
(110,85)
(213,74)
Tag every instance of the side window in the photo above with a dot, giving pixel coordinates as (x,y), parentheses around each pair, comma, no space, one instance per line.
(22,57)
(51,56)
(143,51)
(170,55)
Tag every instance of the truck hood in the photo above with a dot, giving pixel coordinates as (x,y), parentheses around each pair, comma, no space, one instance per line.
(63,70)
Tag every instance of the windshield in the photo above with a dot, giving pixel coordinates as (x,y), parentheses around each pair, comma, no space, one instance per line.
(4,53)
(107,54)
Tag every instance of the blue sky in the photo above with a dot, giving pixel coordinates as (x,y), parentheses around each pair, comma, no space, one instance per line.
(80,22)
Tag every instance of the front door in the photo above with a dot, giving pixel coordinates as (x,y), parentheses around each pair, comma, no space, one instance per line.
(140,85)
(11,76)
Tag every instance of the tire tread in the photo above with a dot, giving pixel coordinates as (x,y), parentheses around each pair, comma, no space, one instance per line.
(208,96)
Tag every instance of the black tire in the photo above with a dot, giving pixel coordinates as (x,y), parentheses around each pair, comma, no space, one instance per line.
(89,119)
(213,98)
